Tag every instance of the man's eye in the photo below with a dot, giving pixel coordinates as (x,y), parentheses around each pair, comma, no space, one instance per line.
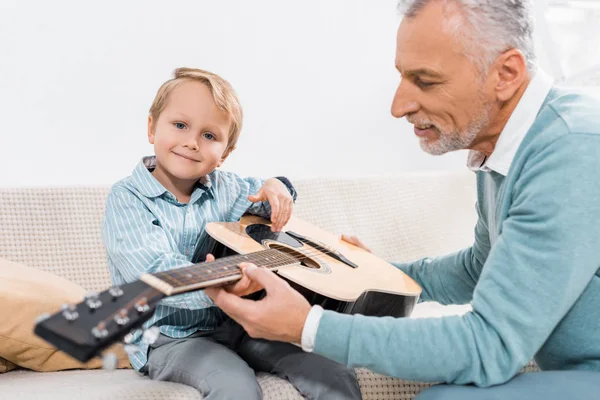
(209,136)
(179,125)
(423,84)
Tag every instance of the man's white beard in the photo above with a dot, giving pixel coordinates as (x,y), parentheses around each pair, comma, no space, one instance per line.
(456,140)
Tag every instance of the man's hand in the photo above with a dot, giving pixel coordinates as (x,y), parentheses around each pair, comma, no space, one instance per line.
(280,199)
(244,286)
(280,315)
(355,241)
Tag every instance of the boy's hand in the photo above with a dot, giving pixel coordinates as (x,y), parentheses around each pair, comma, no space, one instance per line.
(280,199)
(244,286)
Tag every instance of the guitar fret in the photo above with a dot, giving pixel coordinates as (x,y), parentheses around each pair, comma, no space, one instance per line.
(168,277)
(224,267)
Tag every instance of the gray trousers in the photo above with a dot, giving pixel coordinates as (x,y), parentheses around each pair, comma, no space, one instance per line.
(221,364)
(546,385)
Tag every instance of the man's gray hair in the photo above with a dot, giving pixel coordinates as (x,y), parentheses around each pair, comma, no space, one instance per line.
(487,28)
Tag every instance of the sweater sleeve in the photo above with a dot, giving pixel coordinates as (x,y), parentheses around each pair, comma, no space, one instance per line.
(451,279)
(543,259)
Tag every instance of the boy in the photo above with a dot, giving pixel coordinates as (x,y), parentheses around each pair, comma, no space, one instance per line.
(154,220)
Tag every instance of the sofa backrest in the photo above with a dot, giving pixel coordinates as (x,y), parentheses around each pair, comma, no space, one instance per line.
(401,218)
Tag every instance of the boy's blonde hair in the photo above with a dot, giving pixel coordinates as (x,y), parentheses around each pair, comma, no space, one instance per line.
(223,95)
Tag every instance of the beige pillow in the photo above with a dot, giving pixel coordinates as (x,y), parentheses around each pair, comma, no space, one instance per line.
(26,293)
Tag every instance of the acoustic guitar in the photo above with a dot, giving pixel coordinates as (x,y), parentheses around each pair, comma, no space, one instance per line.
(326,270)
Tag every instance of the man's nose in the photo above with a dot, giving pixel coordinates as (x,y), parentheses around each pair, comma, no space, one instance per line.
(404,101)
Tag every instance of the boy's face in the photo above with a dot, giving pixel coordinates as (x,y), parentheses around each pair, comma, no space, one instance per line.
(190,135)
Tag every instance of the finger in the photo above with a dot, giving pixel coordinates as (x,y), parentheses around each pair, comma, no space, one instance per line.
(274,202)
(252,285)
(212,292)
(355,241)
(259,196)
(234,306)
(209,258)
(288,212)
(265,278)
(240,287)
(349,238)
(282,211)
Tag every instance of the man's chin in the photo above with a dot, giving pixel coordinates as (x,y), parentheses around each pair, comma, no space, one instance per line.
(434,148)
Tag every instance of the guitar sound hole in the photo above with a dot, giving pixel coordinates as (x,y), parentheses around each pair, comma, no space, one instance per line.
(304,260)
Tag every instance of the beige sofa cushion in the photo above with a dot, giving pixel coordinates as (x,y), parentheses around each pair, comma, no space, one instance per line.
(26,293)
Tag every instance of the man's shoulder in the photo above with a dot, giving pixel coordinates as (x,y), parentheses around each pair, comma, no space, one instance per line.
(566,131)
(567,119)
(572,111)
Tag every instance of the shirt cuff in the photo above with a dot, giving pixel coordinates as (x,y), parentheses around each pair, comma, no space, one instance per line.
(289,186)
(311,326)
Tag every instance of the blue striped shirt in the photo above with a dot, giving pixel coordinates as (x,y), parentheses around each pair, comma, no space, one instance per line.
(146,230)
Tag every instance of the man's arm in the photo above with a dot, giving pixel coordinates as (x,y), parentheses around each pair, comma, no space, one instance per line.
(135,245)
(542,261)
(451,279)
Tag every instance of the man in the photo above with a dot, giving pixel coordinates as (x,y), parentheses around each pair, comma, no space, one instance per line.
(469,81)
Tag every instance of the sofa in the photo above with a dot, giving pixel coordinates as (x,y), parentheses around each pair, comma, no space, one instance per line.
(402,218)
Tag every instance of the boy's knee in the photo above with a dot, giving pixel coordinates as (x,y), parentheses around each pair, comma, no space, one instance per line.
(231,385)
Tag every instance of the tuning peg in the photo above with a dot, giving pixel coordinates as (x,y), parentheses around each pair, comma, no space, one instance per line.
(115,292)
(42,317)
(100,331)
(129,336)
(92,300)
(110,361)
(150,335)
(69,311)
(121,318)
(142,305)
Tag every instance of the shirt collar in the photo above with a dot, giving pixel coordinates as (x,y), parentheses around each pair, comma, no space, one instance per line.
(515,129)
(148,186)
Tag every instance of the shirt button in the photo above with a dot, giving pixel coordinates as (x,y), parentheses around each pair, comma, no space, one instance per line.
(187,252)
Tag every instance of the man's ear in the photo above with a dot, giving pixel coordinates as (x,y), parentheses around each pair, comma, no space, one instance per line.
(511,70)
(150,129)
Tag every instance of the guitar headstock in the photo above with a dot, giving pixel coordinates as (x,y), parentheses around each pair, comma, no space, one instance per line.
(82,330)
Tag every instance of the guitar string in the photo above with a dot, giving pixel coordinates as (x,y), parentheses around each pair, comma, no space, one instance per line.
(228,261)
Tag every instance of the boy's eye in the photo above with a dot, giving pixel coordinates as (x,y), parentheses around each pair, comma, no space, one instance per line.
(179,125)
(209,136)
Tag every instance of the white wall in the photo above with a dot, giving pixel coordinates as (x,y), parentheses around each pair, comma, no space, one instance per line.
(316,78)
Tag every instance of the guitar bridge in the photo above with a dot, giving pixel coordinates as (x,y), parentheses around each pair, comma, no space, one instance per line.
(322,247)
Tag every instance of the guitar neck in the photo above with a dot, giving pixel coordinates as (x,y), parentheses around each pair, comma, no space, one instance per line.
(221,271)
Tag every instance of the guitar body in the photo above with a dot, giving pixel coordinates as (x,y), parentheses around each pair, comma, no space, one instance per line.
(371,286)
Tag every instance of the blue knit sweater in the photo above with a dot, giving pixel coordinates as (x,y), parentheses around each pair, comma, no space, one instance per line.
(532,274)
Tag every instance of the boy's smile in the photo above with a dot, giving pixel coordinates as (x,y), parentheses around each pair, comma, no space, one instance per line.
(189,138)
(186,157)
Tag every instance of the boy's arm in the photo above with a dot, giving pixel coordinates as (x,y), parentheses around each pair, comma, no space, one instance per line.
(135,244)
(245,187)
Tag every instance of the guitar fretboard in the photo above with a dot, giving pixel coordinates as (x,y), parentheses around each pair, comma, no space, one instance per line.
(222,268)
